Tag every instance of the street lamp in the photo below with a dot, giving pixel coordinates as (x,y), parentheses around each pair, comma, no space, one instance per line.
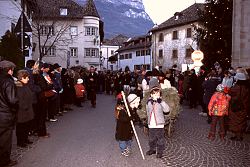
(197,56)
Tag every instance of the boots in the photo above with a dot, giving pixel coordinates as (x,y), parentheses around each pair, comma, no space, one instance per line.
(150,152)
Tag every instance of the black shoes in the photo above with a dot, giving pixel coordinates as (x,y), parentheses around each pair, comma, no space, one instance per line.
(150,152)
(28,142)
(11,163)
(22,145)
(235,138)
(159,155)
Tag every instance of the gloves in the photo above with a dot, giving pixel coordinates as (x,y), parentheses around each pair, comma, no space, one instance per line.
(61,90)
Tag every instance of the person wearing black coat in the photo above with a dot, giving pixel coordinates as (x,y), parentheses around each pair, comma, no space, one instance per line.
(8,108)
(25,109)
(91,86)
(200,91)
(209,86)
(32,69)
(192,89)
(45,85)
(124,131)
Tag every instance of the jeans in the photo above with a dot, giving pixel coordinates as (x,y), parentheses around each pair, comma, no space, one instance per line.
(124,144)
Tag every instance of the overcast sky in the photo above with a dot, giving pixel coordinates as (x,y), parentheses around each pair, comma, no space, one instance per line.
(161,10)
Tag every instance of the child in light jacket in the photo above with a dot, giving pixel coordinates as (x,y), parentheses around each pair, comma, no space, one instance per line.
(156,108)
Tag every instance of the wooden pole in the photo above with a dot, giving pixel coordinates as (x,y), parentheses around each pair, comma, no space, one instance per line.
(132,124)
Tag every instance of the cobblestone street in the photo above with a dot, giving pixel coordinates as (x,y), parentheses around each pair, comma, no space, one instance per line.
(84,137)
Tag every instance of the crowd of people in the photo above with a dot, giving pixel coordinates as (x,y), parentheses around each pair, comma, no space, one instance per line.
(224,97)
(38,93)
(41,92)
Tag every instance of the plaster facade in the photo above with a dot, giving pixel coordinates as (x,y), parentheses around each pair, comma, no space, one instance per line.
(79,42)
(181,44)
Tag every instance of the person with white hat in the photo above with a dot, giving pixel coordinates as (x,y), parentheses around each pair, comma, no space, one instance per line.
(124,131)
(80,91)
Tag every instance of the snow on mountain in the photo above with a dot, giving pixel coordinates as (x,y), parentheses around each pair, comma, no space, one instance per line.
(126,17)
(133,14)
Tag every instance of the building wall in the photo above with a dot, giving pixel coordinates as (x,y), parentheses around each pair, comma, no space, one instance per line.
(180,44)
(81,41)
(136,60)
(10,11)
(106,53)
(241,34)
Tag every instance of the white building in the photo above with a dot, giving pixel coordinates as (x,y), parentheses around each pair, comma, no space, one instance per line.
(10,19)
(136,54)
(108,49)
(173,40)
(69,33)
(241,33)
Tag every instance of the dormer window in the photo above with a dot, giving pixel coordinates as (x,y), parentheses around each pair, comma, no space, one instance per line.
(177,15)
(63,11)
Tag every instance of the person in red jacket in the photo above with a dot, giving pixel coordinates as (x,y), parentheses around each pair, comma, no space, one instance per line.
(218,108)
(80,92)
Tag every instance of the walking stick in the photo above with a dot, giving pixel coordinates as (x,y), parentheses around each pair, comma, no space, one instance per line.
(132,124)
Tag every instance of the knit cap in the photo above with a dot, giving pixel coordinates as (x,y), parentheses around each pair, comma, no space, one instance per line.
(7,64)
(79,81)
(132,98)
(154,83)
(220,88)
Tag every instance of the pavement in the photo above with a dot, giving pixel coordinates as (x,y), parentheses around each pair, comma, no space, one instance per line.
(84,137)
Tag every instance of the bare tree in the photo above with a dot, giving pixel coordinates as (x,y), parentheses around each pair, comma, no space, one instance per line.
(50,30)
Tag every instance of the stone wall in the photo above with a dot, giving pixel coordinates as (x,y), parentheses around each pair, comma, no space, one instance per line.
(241,34)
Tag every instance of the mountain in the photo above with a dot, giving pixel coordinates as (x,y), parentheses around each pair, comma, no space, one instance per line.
(127,17)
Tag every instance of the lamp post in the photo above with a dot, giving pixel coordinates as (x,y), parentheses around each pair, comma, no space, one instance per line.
(107,57)
(145,52)
(150,55)
(197,56)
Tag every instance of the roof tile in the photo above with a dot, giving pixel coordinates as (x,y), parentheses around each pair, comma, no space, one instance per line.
(189,15)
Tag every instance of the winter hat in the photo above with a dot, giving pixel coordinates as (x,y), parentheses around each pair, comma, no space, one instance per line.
(153,83)
(155,72)
(132,98)
(240,76)
(148,73)
(45,65)
(161,74)
(56,65)
(79,81)
(220,88)
(7,64)
(226,89)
